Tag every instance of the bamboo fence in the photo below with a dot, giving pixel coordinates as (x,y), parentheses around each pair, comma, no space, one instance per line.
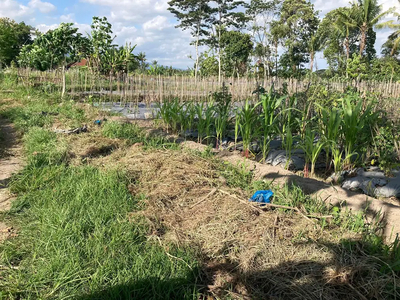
(146,88)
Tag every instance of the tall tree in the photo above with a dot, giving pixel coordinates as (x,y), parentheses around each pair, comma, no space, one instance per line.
(192,15)
(55,45)
(13,36)
(262,13)
(366,14)
(224,15)
(297,24)
(340,32)
(237,48)
(315,45)
(101,38)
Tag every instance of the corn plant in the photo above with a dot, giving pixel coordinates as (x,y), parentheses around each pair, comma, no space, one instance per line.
(337,158)
(221,125)
(175,111)
(311,150)
(237,124)
(329,125)
(205,115)
(270,103)
(356,125)
(164,113)
(191,114)
(247,125)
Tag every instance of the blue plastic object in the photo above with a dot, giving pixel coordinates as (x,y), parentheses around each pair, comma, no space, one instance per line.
(97,122)
(262,196)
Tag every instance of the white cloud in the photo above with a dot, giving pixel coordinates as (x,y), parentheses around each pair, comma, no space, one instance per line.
(14,10)
(138,11)
(158,23)
(44,28)
(43,7)
(326,6)
(19,12)
(67,18)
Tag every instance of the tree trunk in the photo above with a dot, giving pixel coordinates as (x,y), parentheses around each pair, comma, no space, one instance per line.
(347,52)
(63,83)
(219,56)
(363,38)
(265,69)
(276,60)
(311,62)
(197,52)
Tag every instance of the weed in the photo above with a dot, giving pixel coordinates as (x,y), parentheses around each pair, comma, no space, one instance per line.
(43,148)
(128,131)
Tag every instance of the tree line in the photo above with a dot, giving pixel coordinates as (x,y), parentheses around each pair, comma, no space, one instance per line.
(260,38)
(282,38)
(24,46)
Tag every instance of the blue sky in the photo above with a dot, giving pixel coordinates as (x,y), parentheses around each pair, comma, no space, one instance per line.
(146,23)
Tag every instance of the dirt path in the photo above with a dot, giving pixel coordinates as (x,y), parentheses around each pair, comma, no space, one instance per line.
(10,163)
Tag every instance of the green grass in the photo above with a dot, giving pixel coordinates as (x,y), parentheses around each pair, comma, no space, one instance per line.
(75,241)
(41,111)
(134,134)
(75,237)
(44,148)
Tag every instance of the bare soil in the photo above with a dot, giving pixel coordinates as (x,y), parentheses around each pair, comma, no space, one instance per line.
(10,163)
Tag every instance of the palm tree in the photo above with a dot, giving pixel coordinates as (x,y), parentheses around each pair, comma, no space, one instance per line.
(344,23)
(315,44)
(367,16)
(393,39)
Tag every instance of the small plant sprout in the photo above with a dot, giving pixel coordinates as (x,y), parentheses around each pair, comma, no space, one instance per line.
(311,150)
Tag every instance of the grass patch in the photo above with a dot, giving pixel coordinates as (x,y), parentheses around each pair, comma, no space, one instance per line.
(44,148)
(75,240)
(134,134)
(40,110)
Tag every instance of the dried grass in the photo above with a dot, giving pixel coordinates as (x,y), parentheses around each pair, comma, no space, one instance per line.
(247,254)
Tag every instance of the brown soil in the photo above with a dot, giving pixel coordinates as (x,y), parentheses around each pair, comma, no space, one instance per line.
(10,163)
